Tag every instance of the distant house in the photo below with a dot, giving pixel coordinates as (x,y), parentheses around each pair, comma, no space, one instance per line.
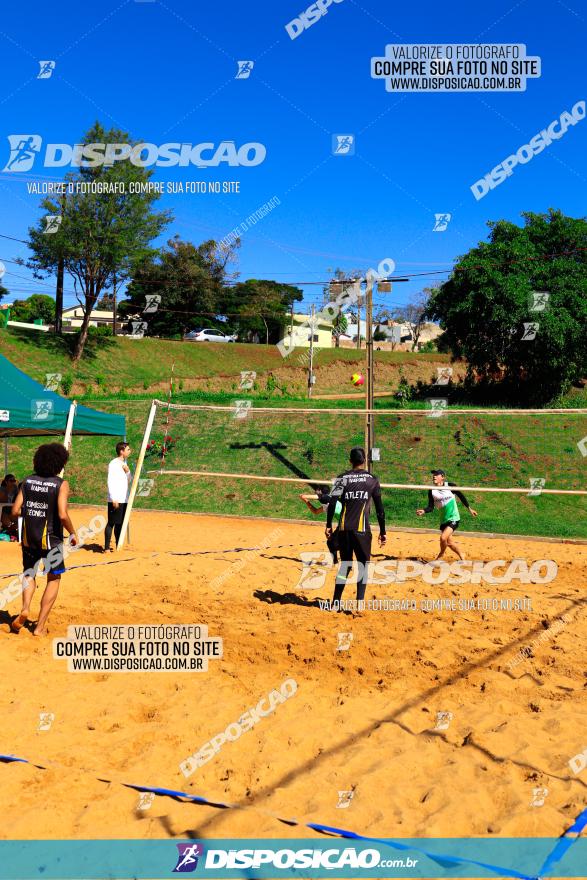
(393,332)
(301,334)
(398,336)
(402,333)
(351,330)
(74,315)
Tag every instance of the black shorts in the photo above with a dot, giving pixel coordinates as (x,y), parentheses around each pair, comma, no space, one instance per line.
(116,514)
(52,560)
(357,543)
(453,523)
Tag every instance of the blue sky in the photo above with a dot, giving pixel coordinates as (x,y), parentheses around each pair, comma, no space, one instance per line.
(165,71)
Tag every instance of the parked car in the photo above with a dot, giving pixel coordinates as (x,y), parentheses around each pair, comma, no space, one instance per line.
(208,335)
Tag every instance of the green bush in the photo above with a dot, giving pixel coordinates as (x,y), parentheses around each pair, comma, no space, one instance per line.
(404,391)
(99,332)
(67,384)
(271,383)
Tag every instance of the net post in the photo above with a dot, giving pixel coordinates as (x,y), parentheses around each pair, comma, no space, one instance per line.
(369,423)
(69,428)
(135,482)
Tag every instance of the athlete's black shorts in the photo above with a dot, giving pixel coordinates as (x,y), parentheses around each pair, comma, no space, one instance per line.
(116,514)
(453,523)
(53,563)
(357,543)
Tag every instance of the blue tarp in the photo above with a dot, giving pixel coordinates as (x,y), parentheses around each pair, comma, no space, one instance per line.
(28,409)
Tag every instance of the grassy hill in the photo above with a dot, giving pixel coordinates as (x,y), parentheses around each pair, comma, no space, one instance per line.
(478,450)
(138,365)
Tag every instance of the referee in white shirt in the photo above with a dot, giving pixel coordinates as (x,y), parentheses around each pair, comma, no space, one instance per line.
(118,485)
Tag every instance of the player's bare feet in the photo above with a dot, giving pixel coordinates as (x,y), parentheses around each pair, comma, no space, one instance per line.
(39,633)
(18,622)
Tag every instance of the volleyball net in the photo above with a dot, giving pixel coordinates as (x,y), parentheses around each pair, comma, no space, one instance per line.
(256,460)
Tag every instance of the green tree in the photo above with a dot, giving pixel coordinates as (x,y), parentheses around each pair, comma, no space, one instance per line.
(106,302)
(102,235)
(491,296)
(4,313)
(340,326)
(188,278)
(261,307)
(39,305)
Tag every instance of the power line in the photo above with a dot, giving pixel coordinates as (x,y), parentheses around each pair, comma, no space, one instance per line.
(10,238)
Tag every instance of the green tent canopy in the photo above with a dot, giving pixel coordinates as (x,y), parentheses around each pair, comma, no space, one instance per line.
(28,409)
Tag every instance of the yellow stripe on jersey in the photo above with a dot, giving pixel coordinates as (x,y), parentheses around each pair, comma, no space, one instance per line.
(342,517)
(362,519)
(44,537)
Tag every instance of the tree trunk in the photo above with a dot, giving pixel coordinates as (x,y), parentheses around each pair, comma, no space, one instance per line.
(81,342)
(59,299)
(90,298)
(114,322)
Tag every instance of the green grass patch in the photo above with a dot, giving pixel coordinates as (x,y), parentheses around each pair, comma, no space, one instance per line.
(500,449)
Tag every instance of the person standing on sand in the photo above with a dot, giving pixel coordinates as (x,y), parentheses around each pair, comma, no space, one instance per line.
(354,489)
(42,501)
(444,500)
(8,493)
(118,485)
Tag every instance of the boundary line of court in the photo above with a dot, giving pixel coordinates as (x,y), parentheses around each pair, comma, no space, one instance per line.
(564,841)
(304,522)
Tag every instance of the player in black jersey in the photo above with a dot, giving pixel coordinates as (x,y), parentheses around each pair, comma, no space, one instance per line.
(42,500)
(355,489)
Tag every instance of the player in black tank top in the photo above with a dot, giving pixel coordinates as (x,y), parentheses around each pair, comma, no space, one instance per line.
(42,503)
(41,526)
(355,489)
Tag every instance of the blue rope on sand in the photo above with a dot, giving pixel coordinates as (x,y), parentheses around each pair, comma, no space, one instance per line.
(562,845)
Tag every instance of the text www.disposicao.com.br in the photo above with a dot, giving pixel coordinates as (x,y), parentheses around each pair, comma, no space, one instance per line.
(134,664)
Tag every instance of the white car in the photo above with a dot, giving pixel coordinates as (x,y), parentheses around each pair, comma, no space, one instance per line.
(208,335)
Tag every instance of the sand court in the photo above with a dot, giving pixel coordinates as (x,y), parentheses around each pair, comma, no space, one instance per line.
(432,723)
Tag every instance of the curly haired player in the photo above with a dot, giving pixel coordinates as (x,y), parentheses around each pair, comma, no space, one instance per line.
(42,500)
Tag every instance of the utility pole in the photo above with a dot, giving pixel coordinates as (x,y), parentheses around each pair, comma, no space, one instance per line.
(59,288)
(311,364)
(369,423)
(359,317)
